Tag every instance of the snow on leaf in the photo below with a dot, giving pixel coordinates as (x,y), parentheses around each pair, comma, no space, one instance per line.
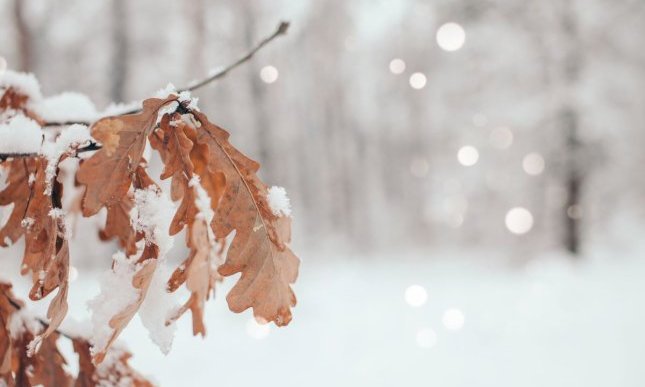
(136,278)
(107,174)
(24,83)
(279,201)
(70,139)
(117,293)
(122,292)
(259,250)
(20,134)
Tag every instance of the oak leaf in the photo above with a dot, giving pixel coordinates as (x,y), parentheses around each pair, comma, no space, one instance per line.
(17,192)
(45,368)
(114,371)
(259,249)
(174,142)
(107,175)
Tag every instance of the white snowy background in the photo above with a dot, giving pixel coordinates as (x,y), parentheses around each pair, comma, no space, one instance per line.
(428,152)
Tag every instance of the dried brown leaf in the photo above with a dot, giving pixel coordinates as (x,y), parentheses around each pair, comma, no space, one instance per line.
(147,265)
(46,248)
(116,370)
(107,175)
(17,192)
(45,368)
(259,249)
(8,305)
(199,272)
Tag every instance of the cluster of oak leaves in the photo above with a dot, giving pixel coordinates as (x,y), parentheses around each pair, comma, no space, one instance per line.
(203,167)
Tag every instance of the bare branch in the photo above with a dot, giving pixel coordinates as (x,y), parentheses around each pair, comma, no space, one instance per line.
(91,147)
(282,29)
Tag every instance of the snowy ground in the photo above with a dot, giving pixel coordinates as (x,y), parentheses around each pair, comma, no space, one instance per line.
(551,323)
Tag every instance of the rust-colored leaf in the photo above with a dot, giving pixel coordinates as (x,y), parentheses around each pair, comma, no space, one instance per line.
(8,305)
(107,175)
(11,99)
(199,272)
(46,248)
(113,371)
(259,249)
(174,142)
(45,368)
(140,281)
(17,192)
(118,225)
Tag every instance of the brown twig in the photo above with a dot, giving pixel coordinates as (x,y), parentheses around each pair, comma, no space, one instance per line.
(92,146)
(282,29)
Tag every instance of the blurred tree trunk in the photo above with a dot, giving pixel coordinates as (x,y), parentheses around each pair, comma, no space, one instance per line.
(569,119)
(120,50)
(25,39)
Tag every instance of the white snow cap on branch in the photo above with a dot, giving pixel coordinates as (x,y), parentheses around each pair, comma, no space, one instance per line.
(166,91)
(279,201)
(24,83)
(71,137)
(66,107)
(20,134)
(184,96)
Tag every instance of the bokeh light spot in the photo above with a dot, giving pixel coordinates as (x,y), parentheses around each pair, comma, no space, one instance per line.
(418,81)
(519,220)
(416,295)
(533,164)
(269,74)
(468,155)
(451,37)
(397,66)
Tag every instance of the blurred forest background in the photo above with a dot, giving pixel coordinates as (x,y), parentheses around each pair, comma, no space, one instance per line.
(424,138)
(385,130)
